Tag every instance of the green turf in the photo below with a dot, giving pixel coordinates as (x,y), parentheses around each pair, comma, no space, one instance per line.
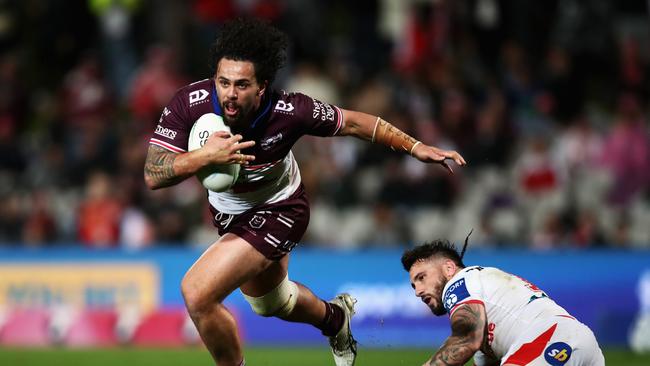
(254,357)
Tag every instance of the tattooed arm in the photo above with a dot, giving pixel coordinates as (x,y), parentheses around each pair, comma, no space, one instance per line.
(164,168)
(159,169)
(377,130)
(467,331)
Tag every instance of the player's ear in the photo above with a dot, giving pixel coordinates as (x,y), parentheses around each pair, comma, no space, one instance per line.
(262,88)
(449,268)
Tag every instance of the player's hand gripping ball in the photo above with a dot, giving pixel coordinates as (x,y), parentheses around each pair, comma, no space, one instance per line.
(217,178)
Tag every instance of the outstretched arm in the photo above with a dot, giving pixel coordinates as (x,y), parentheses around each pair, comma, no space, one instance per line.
(467,332)
(164,168)
(375,129)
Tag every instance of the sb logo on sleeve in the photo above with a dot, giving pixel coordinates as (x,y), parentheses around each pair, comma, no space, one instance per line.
(558,353)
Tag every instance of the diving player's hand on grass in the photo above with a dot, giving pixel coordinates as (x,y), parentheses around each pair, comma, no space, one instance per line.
(430,154)
(222,148)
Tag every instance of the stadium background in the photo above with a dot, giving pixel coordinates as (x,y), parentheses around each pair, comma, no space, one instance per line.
(548,101)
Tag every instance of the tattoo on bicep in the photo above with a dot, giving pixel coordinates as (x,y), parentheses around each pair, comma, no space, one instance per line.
(466,320)
(461,345)
(160,165)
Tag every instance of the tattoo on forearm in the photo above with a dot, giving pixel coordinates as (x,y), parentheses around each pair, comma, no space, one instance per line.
(466,324)
(160,166)
(395,138)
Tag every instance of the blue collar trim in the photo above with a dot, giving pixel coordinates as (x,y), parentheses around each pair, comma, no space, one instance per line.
(259,117)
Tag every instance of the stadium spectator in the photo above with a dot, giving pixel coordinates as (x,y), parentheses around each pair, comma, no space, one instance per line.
(99,213)
(626,151)
(496,318)
(153,85)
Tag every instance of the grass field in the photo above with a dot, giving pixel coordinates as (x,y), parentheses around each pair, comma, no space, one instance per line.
(254,357)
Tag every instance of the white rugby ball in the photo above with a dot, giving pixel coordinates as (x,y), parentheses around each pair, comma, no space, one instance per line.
(217,178)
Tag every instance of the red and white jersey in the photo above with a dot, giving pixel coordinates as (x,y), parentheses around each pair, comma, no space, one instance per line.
(281,120)
(512,304)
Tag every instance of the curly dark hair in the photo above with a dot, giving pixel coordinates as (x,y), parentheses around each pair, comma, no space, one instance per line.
(254,40)
(436,248)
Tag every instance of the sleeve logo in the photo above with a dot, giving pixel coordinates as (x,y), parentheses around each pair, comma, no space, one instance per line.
(558,353)
(166,132)
(323,111)
(455,293)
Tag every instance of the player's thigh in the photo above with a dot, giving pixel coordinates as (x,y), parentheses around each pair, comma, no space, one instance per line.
(267,280)
(223,267)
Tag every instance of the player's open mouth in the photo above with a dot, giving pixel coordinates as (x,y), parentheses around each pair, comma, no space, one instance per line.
(230,109)
(426,299)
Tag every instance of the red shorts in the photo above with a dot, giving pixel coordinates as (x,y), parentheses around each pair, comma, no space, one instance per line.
(273,229)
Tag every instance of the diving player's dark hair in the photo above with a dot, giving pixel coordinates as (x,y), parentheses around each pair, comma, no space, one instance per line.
(435,249)
(462,252)
(247,39)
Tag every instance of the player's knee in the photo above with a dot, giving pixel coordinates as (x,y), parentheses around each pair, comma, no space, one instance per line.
(196,299)
(278,302)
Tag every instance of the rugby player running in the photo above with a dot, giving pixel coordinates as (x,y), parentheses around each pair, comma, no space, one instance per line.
(266,212)
(496,317)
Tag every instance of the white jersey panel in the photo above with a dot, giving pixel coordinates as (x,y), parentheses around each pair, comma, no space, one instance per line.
(276,181)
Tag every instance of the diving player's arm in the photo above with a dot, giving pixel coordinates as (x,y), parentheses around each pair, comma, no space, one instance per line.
(164,168)
(467,333)
(375,129)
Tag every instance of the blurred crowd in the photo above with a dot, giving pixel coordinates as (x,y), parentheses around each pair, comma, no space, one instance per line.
(548,101)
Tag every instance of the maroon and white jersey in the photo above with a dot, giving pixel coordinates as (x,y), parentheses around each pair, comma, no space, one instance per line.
(281,120)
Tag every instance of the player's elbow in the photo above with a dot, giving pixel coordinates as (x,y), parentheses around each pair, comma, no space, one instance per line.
(474,340)
(475,344)
(151,182)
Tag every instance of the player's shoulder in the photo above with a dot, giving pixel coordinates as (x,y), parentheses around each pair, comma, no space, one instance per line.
(191,101)
(464,278)
(287,101)
(195,93)
(461,287)
(290,104)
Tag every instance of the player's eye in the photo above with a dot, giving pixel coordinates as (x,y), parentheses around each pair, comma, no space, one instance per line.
(242,86)
(223,83)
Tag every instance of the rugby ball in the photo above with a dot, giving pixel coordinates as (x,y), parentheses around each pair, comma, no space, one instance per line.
(215,177)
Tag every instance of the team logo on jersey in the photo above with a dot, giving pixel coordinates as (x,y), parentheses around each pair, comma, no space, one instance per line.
(283,106)
(257,222)
(455,293)
(558,353)
(270,141)
(198,96)
(450,301)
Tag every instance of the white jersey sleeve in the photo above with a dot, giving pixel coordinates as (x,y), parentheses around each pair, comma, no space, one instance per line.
(464,288)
